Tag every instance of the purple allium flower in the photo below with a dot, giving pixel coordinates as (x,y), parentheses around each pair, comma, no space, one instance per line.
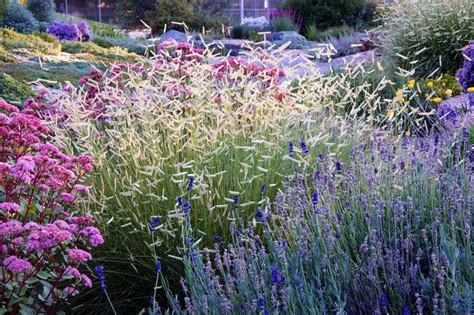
(16,265)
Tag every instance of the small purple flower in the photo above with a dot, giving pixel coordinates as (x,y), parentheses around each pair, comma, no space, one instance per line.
(406,310)
(180,201)
(154,222)
(315,198)
(304,147)
(158,266)
(190,183)
(217,239)
(186,207)
(99,271)
(276,276)
(262,189)
(291,149)
(383,300)
(338,166)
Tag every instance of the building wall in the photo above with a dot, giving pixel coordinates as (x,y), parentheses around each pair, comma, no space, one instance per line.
(89,9)
(252,8)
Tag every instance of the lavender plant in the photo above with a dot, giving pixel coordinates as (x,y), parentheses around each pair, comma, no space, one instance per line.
(388,232)
(466,74)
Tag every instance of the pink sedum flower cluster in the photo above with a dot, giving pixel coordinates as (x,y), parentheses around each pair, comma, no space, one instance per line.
(39,238)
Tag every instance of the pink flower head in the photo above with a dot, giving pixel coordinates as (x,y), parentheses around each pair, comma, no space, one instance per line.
(74,272)
(4,106)
(10,228)
(16,265)
(9,207)
(87,281)
(81,188)
(78,255)
(68,197)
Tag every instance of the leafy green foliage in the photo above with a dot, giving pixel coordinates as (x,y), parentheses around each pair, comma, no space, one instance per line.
(113,53)
(19,18)
(427,35)
(281,24)
(34,44)
(12,90)
(327,13)
(313,33)
(130,44)
(42,10)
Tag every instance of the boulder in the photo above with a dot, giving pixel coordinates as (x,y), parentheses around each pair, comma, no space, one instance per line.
(174,35)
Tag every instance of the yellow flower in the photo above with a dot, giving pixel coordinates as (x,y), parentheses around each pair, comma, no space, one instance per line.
(408,133)
(429,84)
(390,113)
(398,96)
(470,89)
(411,84)
(449,92)
(407,103)
(436,100)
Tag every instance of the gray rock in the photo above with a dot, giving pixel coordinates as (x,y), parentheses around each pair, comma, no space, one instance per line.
(174,35)
(286,36)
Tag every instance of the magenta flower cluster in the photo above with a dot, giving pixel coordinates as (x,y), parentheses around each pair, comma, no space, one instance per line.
(70,32)
(39,238)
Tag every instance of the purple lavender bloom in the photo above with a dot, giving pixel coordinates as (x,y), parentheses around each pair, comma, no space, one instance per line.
(406,310)
(383,300)
(180,201)
(315,198)
(186,207)
(276,276)
(99,271)
(154,222)
(190,183)
(84,29)
(262,189)
(338,166)
(158,266)
(291,149)
(304,147)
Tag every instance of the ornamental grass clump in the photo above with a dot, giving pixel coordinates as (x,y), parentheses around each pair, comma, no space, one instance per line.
(387,232)
(427,35)
(41,242)
(150,128)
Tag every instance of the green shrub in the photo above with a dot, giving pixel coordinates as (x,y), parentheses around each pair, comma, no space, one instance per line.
(3,7)
(6,57)
(34,44)
(328,13)
(282,24)
(312,32)
(12,90)
(19,18)
(130,44)
(113,53)
(427,35)
(42,10)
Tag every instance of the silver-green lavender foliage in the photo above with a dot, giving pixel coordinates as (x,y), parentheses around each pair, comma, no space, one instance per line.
(388,232)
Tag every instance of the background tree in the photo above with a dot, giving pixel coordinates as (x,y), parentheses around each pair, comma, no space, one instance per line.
(43,10)
(130,12)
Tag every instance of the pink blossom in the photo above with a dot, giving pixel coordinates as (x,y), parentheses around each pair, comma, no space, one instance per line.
(68,197)
(81,188)
(78,255)
(10,228)
(16,265)
(7,107)
(9,207)
(87,281)
(74,272)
